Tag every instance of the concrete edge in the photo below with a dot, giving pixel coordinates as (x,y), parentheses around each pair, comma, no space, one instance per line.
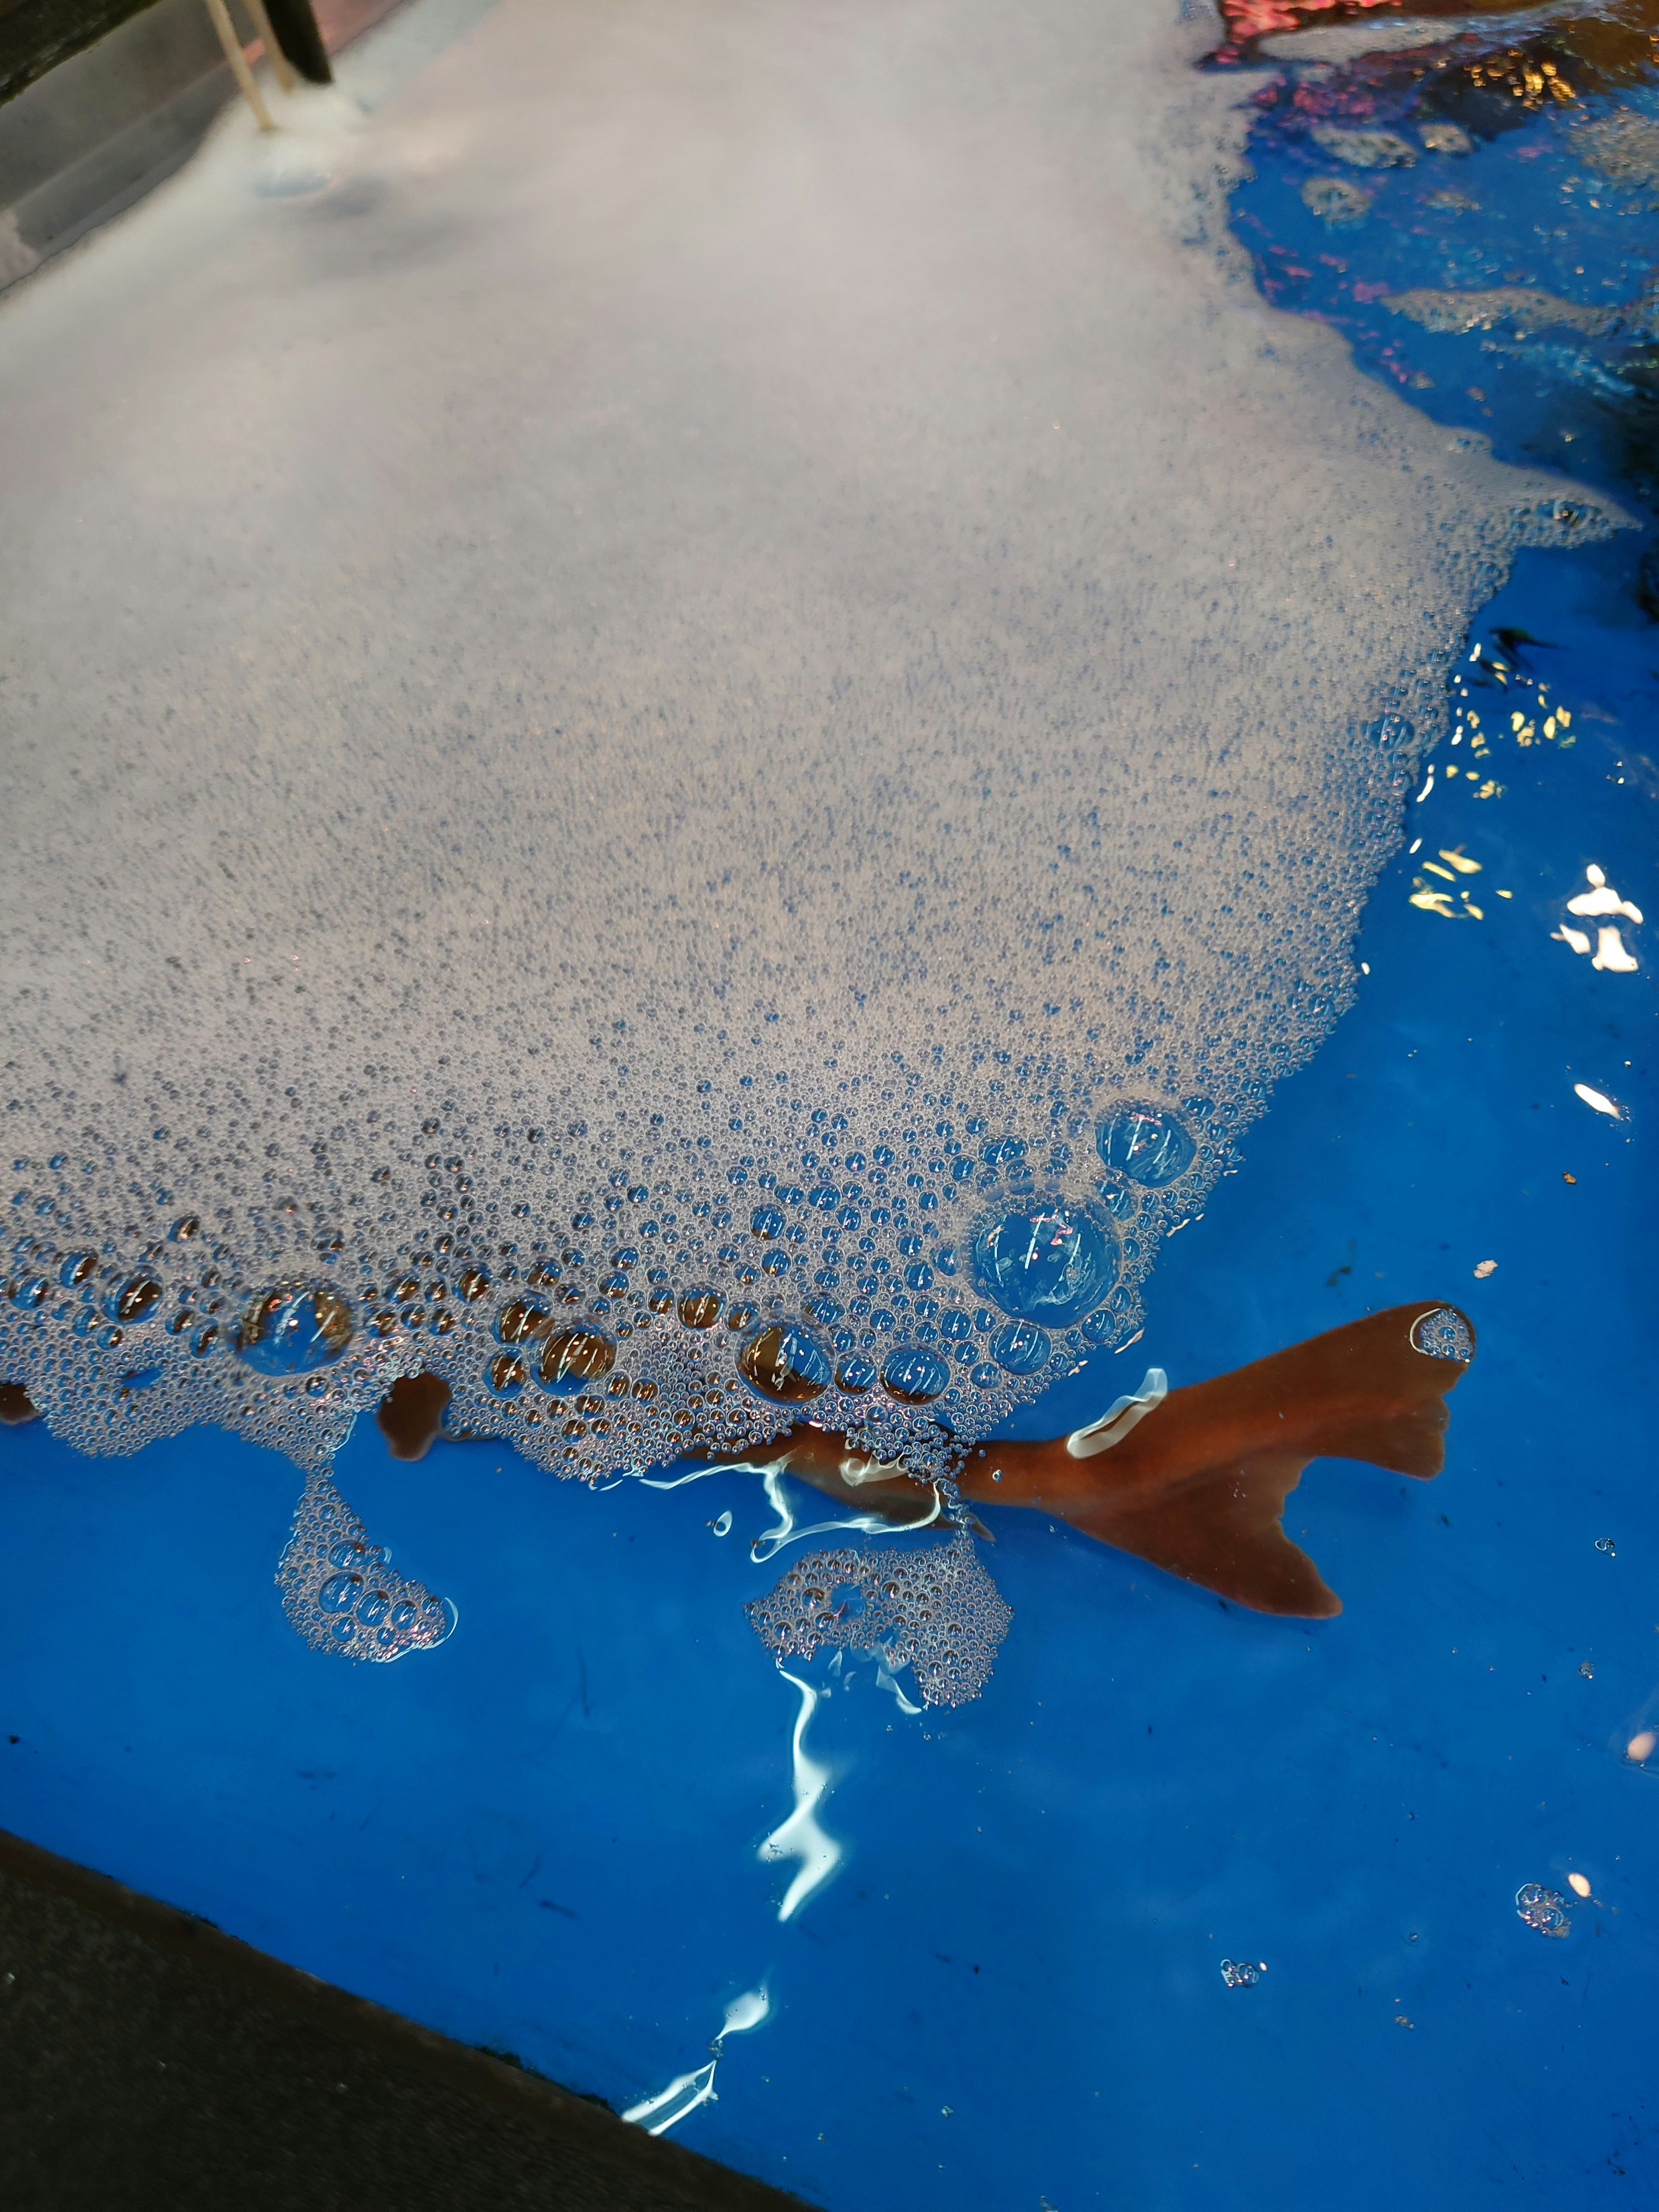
(476,2073)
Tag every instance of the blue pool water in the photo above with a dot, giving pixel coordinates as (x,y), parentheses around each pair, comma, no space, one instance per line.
(1006,1991)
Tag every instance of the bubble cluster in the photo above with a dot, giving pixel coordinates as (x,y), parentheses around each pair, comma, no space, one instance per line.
(1443,1334)
(1242,1973)
(1545,1909)
(341,1592)
(935,1611)
(783,905)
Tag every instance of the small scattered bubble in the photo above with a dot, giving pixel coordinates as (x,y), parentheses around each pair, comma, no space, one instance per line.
(1242,1973)
(1605,1544)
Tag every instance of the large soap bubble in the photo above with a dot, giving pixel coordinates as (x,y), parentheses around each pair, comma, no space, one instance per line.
(1049,1264)
(293,1328)
(786,1363)
(1150,1146)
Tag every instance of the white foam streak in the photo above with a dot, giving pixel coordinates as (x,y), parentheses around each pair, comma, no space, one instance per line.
(801,1836)
(771,1542)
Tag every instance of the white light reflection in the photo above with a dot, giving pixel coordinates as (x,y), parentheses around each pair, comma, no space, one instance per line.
(656,2115)
(1120,1417)
(1598,1099)
(801,1836)
(771,1542)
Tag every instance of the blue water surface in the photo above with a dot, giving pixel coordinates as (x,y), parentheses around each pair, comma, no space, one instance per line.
(545,1836)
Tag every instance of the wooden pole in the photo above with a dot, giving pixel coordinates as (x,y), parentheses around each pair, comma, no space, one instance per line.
(281,65)
(238,60)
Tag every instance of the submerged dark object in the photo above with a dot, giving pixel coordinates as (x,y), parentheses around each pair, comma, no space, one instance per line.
(410,1415)
(17,1406)
(1198,1486)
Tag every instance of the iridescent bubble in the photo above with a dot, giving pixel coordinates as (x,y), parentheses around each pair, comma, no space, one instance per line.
(1152,1147)
(1021,1347)
(699,1307)
(856,1374)
(915,1374)
(575,1358)
(786,1363)
(1050,1264)
(292,1328)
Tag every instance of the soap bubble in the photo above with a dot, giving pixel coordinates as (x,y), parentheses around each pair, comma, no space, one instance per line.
(293,1328)
(934,1610)
(136,1300)
(1242,1973)
(340,1592)
(856,1374)
(574,1358)
(520,1320)
(1021,1347)
(785,1364)
(1443,1334)
(1049,1264)
(506,1375)
(1545,1909)
(700,1308)
(915,1374)
(1150,1146)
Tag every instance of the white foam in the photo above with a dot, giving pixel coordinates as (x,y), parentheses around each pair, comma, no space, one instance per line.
(743,592)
